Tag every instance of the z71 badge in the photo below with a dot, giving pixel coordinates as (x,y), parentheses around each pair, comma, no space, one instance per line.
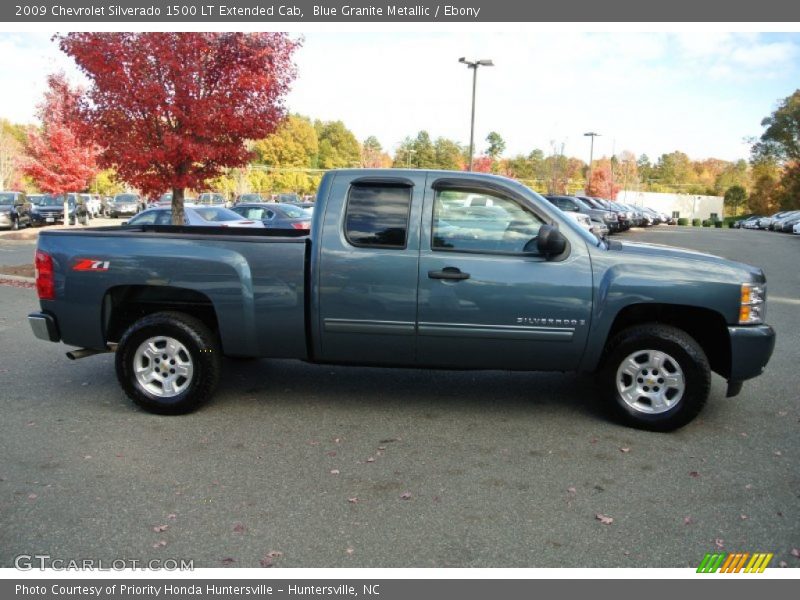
(90,264)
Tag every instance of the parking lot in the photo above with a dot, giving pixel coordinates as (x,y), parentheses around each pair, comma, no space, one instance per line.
(296,465)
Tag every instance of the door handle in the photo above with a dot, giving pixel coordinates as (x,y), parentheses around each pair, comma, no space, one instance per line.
(451,273)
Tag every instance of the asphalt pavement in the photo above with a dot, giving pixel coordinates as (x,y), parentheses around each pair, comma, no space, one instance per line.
(362,467)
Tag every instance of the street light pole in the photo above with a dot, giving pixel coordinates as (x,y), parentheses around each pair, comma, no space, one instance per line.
(592,135)
(474,66)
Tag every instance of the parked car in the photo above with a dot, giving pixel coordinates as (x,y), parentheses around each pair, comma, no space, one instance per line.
(275,215)
(249,197)
(752,222)
(213,199)
(573,204)
(787,224)
(94,205)
(15,210)
(796,228)
(778,223)
(125,205)
(198,215)
(51,209)
(288,198)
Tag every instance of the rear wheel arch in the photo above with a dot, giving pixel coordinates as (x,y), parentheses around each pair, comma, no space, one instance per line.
(124,305)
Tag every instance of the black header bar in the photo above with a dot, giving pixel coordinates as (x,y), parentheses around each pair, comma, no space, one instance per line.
(430,11)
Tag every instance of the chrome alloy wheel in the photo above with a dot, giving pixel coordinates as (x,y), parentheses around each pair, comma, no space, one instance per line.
(650,381)
(163,366)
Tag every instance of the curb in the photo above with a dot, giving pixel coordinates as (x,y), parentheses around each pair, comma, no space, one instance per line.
(17,278)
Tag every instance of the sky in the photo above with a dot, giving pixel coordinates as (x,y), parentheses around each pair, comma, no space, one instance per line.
(702,93)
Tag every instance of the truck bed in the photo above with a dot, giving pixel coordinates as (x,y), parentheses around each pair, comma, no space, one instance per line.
(252,282)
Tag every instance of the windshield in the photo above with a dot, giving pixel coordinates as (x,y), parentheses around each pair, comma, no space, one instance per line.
(126,198)
(55,200)
(217,214)
(6,199)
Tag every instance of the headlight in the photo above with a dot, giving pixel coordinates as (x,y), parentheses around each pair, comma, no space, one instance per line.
(751,308)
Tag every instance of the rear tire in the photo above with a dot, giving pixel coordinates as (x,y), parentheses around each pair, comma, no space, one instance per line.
(14,224)
(657,377)
(168,363)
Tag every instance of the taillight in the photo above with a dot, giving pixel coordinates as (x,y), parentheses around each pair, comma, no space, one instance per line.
(302,225)
(45,282)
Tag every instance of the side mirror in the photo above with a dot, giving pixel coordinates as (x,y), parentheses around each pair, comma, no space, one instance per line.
(550,241)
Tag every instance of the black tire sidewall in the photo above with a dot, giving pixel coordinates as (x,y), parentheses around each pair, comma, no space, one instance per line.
(689,356)
(198,342)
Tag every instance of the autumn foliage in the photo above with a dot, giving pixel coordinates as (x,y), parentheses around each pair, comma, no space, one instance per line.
(602,184)
(173,110)
(58,161)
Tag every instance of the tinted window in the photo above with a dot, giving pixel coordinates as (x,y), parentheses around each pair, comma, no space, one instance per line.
(481,223)
(377,215)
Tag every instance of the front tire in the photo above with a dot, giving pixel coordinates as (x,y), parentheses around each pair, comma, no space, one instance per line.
(657,377)
(168,363)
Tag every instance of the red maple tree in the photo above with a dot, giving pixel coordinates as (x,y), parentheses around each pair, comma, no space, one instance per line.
(172,110)
(57,159)
(602,183)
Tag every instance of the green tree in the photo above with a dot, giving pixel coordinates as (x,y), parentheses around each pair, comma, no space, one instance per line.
(497,145)
(781,138)
(424,156)
(448,154)
(372,153)
(674,169)
(734,198)
(338,146)
(734,174)
(294,144)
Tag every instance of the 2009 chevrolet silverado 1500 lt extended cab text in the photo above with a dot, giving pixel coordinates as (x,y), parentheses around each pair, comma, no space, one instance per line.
(424,269)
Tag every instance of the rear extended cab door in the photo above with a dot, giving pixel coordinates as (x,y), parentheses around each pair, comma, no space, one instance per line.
(366,258)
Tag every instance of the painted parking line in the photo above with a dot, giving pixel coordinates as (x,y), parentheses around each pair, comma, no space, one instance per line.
(781,300)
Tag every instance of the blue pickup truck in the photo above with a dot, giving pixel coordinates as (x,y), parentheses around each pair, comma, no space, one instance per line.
(407,268)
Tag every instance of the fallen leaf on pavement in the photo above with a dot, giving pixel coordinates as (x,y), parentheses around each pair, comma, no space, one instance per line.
(405,496)
(783,564)
(605,520)
(334,471)
(371,459)
(350,551)
(796,552)
(778,453)
(719,543)
(694,474)
(160,528)
(352,500)
(743,517)
(238,528)
(624,450)
(172,516)
(688,520)
(227,562)
(572,490)
(160,544)
(32,496)
(265,562)
(332,453)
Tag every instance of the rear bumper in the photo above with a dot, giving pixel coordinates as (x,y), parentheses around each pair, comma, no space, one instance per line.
(751,349)
(44,327)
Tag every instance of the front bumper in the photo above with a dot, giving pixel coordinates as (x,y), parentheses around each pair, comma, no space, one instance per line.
(751,349)
(44,327)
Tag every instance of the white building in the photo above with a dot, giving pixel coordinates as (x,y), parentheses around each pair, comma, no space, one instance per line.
(689,206)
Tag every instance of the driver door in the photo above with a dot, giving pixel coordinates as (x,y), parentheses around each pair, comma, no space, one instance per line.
(487,298)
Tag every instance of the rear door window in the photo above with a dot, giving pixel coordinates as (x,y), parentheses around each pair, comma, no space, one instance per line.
(377,215)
